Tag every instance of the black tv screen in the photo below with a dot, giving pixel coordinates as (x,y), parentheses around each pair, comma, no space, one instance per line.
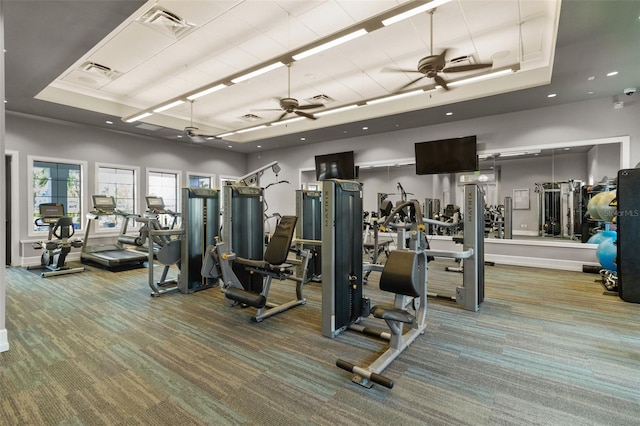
(446,156)
(340,165)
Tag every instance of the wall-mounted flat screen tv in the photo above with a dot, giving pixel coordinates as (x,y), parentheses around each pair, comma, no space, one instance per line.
(446,156)
(340,165)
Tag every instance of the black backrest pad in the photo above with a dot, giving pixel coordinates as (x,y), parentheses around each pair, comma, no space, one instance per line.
(400,274)
(278,247)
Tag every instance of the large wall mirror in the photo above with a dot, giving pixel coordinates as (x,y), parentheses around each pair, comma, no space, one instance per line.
(540,180)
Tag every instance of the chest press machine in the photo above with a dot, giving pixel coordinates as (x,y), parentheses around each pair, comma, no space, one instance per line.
(404,274)
(246,272)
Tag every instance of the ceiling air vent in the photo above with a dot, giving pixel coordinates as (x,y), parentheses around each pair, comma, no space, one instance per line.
(322,99)
(99,70)
(166,22)
(250,117)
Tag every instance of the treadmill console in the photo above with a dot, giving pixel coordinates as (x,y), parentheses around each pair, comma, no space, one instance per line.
(105,204)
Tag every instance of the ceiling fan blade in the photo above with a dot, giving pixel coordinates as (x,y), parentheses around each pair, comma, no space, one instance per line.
(440,60)
(304,114)
(470,67)
(197,138)
(441,81)
(389,69)
(266,109)
(310,106)
(410,83)
(282,116)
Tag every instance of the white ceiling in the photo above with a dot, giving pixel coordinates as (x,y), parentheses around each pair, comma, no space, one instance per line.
(594,37)
(149,66)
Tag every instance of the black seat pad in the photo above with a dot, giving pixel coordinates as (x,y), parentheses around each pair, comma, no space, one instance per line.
(393,314)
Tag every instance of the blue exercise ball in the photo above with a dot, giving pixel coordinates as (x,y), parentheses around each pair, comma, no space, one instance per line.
(601,236)
(607,251)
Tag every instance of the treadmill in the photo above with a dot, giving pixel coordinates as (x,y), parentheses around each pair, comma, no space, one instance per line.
(109,255)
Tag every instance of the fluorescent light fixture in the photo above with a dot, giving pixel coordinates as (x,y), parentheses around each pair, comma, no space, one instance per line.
(612,73)
(412,12)
(518,153)
(257,72)
(513,154)
(138,117)
(206,92)
(223,135)
(394,97)
(290,120)
(330,44)
(480,77)
(335,110)
(251,129)
(169,106)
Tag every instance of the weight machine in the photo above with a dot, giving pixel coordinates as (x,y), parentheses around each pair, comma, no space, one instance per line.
(309,230)
(343,303)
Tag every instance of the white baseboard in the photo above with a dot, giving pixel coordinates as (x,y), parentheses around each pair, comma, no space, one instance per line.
(536,262)
(526,233)
(4,341)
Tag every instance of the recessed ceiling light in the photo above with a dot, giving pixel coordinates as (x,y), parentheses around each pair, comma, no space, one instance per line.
(449,113)
(612,73)
(567,149)
(551,95)
(591,78)
(590,93)
(229,146)
(259,146)
(303,139)
(109,122)
(365,128)
(179,136)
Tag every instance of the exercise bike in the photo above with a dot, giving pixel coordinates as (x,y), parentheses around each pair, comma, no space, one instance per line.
(58,244)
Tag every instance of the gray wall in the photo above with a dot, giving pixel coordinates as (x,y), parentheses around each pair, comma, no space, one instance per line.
(565,123)
(50,138)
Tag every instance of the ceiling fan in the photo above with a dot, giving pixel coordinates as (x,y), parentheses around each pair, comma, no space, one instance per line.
(431,66)
(291,105)
(194,133)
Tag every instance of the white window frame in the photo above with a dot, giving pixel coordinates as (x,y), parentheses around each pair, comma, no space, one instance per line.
(136,198)
(178,174)
(212,178)
(83,190)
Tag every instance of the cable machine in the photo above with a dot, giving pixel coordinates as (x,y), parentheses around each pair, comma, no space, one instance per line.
(201,221)
(309,228)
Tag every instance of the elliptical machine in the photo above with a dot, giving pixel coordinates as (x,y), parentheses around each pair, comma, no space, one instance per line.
(58,244)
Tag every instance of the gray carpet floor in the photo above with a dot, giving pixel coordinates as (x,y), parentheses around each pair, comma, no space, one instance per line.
(546,348)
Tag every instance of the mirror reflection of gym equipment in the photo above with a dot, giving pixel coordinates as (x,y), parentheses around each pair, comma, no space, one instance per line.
(59,243)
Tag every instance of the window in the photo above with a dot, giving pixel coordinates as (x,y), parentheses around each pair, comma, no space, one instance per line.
(165,184)
(56,181)
(121,183)
(201,180)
